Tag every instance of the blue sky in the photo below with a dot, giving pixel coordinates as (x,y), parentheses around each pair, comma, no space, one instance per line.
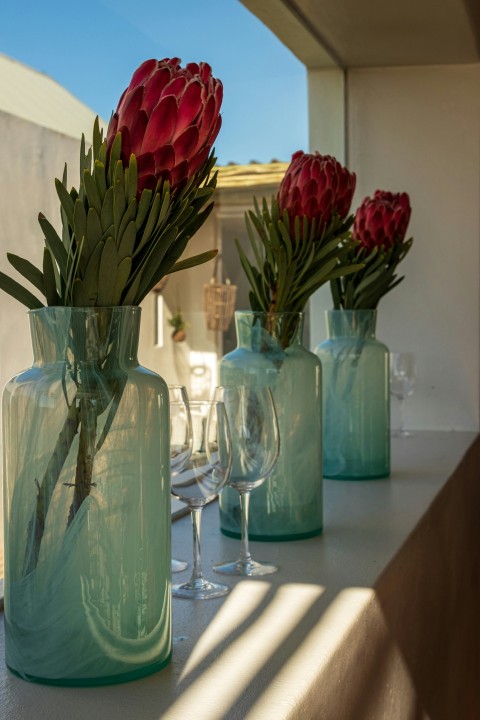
(93,47)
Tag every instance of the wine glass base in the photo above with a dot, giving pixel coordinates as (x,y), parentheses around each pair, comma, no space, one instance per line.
(200,590)
(402,434)
(179,565)
(246,568)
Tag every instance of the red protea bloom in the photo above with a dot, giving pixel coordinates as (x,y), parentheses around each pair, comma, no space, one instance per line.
(169,117)
(382,221)
(316,186)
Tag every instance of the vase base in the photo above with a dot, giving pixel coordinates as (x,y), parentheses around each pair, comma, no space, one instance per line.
(358,478)
(95,682)
(273,538)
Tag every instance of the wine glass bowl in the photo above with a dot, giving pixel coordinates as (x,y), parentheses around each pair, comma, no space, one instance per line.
(255,447)
(199,482)
(402,384)
(180,441)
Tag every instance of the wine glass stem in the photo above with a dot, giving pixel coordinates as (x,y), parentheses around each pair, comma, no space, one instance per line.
(196,515)
(402,418)
(244,547)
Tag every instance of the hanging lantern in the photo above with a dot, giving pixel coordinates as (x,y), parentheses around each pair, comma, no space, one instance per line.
(219,301)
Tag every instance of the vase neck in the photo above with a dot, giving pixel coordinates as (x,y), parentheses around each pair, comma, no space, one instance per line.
(351,323)
(85,335)
(259,330)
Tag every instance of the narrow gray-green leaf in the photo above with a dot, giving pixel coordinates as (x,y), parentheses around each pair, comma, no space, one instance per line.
(143,207)
(94,230)
(193,261)
(91,278)
(79,220)
(119,202)
(151,223)
(49,279)
(65,200)
(93,196)
(107,273)
(17,291)
(127,242)
(100,179)
(55,244)
(106,216)
(132,178)
(123,273)
(129,215)
(28,270)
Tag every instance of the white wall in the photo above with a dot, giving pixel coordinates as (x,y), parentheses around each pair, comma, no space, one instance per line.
(418,129)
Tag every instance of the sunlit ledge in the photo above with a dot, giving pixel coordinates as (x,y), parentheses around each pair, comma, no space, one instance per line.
(376,619)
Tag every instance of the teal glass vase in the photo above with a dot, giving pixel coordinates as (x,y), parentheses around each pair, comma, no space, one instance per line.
(356,404)
(289,504)
(87,504)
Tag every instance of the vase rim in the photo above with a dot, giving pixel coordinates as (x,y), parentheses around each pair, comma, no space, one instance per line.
(87,309)
(270,314)
(351,310)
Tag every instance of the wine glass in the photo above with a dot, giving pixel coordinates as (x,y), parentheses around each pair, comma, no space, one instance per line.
(255,445)
(402,383)
(200,480)
(180,441)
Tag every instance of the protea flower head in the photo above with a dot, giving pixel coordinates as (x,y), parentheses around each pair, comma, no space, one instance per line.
(382,220)
(169,117)
(316,186)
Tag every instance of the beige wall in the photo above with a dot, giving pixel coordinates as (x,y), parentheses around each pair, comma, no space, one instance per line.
(418,129)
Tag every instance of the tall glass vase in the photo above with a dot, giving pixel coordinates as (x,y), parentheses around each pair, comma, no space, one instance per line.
(288,506)
(356,406)
(87,504)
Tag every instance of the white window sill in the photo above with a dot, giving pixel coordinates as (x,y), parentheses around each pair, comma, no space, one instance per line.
(345,629)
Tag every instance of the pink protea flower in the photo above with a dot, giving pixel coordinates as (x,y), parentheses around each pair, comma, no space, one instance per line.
(316,186)
(169,117)
(382,221)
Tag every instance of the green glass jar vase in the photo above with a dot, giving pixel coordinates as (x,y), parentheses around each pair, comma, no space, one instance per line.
(87,504)
(289,504)
(356,404)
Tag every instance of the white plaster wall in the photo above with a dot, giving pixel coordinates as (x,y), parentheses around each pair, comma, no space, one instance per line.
(418,129)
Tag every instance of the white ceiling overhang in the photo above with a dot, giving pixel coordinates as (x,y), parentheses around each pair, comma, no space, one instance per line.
(374,33)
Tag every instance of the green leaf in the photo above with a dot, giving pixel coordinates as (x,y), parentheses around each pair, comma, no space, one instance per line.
(28,270)
(127,242)
(132,179)
(51,293)
(100,179)
(55,244)
(94,230)
(123,273)
(107,274)
(129,298)
(119,201)
(143,208)
(151,223)
(115,153)
(106,216)
(92,272)
(79,220)
(66,200)
(193,261)
(79,293)
(17,291)
(130,214)
(93,196)
(97,137)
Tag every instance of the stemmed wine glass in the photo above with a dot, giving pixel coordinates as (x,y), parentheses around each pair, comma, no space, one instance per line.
(180,441)
(402,383)
(201,479)
(255,445)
